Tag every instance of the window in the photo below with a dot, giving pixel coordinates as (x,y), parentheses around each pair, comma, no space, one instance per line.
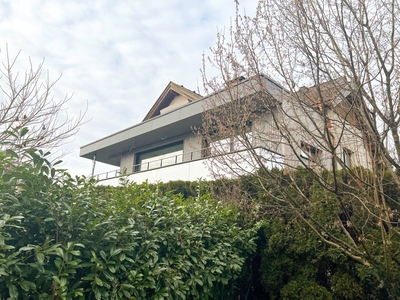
(347,157)
(231,144)
(309,152)
(159,157)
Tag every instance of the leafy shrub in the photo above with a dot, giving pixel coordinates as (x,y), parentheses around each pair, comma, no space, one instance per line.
(64,238)
(303,289)
(346,286)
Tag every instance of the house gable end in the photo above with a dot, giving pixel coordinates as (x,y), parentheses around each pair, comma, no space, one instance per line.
(172,97)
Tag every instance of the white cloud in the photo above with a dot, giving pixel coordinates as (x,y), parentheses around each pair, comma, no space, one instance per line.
(116,56)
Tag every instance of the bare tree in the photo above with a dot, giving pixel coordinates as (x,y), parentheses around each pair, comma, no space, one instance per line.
(30,116)
(315,84)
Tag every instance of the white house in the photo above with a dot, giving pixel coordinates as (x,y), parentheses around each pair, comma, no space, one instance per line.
(164,146)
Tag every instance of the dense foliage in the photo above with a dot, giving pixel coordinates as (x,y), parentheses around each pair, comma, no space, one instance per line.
(295,262)
(291,261)
(297,265)
(65,238)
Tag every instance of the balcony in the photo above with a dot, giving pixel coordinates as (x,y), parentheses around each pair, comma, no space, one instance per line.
(187,166)
(193,166)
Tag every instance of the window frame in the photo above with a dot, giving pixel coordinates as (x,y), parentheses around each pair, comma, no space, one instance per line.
(145,161)
(347,157)
(310,153)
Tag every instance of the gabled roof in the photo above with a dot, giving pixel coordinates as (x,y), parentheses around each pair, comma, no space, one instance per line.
(170,92)
(330,92)
(337,94)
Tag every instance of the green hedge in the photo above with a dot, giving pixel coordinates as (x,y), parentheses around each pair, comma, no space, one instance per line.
(65,238)
(290,261)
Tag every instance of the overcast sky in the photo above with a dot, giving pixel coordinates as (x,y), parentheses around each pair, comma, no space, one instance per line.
(116,56)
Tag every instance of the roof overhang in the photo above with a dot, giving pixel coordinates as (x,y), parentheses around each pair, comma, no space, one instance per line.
(171,124)
(175,123)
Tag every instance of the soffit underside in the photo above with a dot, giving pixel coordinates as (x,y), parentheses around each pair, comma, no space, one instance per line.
(109,150)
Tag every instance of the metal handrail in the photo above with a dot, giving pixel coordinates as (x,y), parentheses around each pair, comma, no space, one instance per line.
(184,158)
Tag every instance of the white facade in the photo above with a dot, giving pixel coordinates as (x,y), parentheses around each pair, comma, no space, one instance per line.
(165,147)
